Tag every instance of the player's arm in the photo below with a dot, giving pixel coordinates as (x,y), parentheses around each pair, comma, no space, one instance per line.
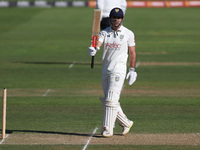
(132,56)
(99,44)
(92,51)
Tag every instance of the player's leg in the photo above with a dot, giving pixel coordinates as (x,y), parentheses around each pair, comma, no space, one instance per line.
(121,118)
(104,84)
(112,89)
(110,114)
(123,121)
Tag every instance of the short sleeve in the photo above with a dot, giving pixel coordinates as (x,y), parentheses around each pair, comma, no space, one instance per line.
(131,39)
(101,36)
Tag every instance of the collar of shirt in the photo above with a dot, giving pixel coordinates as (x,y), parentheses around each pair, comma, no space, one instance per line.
(117,31)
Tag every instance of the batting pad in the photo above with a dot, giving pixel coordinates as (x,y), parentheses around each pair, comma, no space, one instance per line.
(122,119)
(110,114)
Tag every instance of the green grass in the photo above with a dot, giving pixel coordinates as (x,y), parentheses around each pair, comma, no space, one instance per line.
(59,114)
(37,45)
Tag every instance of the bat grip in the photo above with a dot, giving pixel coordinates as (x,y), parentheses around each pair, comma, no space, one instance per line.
(92,62)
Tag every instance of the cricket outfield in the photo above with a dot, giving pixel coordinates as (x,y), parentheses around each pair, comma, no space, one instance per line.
(53,94)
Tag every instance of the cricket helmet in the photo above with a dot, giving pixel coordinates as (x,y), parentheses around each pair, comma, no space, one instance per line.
(116,12)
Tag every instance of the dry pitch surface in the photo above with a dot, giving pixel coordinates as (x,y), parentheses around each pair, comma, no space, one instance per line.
(81,139)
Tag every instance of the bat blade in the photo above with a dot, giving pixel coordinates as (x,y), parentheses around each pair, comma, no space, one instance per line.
(95,30)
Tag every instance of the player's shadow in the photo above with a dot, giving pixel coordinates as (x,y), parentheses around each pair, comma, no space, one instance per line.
(47,132)
(61,133)
(57,63)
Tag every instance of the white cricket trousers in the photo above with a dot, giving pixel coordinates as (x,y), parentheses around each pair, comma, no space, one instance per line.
(112,85)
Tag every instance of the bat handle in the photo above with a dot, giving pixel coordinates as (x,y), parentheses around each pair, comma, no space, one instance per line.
(92,62)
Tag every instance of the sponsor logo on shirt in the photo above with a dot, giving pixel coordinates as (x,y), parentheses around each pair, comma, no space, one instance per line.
(113,46)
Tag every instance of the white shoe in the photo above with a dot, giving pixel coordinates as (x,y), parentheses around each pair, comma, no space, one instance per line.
(127,129)
(106,133)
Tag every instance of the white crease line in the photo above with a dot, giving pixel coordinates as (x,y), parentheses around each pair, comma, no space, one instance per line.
(71,65)
(95,130)
(4,139)
(45,94)
(137,64)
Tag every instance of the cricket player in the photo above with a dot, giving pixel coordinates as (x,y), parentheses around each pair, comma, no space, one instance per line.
(118,43)
(106,6)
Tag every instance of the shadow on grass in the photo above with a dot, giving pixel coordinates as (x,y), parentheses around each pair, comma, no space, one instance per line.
(47,132)
(61,63)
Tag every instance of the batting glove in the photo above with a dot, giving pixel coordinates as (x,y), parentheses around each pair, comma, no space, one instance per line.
(92,51)
(133,76)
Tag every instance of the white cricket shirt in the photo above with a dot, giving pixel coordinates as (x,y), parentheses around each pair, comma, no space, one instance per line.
(107,5)
(115,49)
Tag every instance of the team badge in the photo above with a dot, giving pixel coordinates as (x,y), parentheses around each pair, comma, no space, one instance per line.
(116,79)
(116,10)
(121,37)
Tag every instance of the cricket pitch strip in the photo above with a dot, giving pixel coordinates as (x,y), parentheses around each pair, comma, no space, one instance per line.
(192,139)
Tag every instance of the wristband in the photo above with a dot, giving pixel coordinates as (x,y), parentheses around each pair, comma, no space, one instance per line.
(132,69)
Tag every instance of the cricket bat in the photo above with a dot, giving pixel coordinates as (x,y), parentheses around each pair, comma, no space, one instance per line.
(95,31)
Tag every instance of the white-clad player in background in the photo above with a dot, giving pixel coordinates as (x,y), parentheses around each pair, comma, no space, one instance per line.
(106,6)
(118,43)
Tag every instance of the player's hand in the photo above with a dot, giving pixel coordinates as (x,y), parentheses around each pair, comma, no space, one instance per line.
(92,51)
(133,76)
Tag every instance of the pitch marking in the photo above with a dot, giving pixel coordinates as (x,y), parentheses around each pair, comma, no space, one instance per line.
(4,139)
(95,130)
(71,65)
(137,64)
(45,94)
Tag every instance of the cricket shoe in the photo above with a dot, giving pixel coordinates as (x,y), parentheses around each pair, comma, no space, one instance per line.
(106,132)
(126,130)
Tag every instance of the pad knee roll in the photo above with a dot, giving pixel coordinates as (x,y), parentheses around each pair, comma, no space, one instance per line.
(111,103)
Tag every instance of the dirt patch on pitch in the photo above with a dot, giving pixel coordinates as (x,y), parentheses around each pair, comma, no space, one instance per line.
(81,139)
(169,63)
(162,92)
(148,91)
